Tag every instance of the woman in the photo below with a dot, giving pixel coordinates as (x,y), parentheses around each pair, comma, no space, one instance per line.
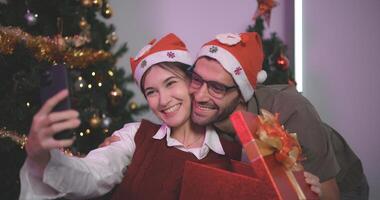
(155,155)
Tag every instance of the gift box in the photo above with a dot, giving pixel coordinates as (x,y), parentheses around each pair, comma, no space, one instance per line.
(273,155)
(204,182)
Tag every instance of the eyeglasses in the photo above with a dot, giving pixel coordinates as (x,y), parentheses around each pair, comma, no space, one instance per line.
(215,89)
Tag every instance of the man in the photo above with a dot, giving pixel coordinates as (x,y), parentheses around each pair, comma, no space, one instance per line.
(224,80)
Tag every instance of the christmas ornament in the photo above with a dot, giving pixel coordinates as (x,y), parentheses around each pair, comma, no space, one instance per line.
(97,3)
(86,3)
(83,23)
(106,121)
(115,95)
(106,11)
(133,106)
(264,8)
(31,18)
(111,39)
(282,62)
(95,121)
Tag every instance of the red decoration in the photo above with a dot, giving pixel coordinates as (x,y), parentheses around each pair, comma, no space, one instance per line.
(282,62)
(264,9)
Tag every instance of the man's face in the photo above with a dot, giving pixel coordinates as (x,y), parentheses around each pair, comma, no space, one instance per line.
(206,108)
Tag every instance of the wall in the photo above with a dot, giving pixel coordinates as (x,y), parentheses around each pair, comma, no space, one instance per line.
(341,73)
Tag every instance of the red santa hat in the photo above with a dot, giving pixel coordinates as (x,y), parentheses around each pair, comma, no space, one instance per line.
(242,56)
(168,49)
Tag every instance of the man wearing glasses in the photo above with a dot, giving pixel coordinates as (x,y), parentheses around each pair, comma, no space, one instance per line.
(224,80)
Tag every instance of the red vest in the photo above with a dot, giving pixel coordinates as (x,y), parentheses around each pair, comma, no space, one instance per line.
(156,169)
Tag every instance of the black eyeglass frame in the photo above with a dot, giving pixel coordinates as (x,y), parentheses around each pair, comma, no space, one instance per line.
(210,85)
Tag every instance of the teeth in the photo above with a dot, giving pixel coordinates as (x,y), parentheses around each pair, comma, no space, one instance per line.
(202,107)
(172,109)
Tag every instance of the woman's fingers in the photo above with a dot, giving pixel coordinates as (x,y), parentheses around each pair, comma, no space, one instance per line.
(52,102)
(62,115)
(41,121)
(51,143)
(61,126)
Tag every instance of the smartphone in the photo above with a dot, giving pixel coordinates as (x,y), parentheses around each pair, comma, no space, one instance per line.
(53,80)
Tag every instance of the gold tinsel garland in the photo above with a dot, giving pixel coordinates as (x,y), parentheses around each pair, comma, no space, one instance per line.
(17,138)
(53,50)
(21,140)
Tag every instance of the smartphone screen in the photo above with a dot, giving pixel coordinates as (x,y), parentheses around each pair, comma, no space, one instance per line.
(53,80)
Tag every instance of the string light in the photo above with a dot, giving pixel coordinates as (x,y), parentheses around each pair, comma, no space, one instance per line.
(93,73)
(88,131)
(110,73)
(28,104)
(89,86)
(81,133)
(100,84)
(80,78)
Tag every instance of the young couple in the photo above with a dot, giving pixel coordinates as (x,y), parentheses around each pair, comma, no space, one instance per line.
(148,159)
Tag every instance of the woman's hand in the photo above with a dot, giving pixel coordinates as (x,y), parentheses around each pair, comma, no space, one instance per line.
(45,124)
(313,180)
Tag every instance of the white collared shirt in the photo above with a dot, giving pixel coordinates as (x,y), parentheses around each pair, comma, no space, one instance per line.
(101,169)
(211,141)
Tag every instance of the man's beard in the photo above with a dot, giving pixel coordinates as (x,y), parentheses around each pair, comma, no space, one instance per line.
(227,111)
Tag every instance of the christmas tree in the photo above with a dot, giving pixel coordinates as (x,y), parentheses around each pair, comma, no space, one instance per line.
(276,63)
(38,34)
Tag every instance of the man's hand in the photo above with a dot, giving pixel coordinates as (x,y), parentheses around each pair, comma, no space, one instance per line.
(109,140)
(327,190)
(315,185)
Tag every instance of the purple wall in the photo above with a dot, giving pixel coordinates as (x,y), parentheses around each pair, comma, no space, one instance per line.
(341,45)
(341,73)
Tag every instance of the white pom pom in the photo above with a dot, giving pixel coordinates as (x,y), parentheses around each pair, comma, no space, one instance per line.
(261,76)
(228,38)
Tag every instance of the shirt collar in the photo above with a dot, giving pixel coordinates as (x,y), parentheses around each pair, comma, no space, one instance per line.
(211,141)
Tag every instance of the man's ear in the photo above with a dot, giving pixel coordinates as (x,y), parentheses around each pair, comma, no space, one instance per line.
(241,99)
(242,104)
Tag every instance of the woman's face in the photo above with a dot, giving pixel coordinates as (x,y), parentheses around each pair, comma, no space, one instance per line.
(167,94)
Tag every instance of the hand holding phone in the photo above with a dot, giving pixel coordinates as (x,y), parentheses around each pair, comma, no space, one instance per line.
(53,80)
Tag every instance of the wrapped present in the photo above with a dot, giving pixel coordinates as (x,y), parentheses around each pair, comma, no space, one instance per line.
(273,153)
(204,182)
